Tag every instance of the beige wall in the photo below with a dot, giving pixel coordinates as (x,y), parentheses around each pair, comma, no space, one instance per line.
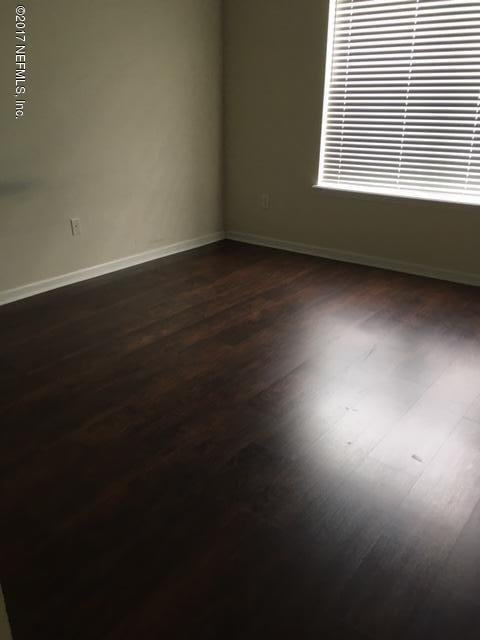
(121,129)
(274,58)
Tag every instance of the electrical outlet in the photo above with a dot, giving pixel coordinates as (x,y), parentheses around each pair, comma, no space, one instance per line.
(265,201)
(75,225)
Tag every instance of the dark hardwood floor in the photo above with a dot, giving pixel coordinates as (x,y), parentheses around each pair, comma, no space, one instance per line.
(238,442)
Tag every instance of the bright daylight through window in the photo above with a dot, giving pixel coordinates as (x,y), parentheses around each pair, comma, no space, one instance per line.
(402,99)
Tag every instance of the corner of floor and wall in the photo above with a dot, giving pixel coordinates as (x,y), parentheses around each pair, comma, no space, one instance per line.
(182,123)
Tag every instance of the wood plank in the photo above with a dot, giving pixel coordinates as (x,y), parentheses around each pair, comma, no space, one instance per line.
(241,442)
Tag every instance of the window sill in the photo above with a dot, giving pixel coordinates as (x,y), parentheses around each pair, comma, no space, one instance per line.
(431,196)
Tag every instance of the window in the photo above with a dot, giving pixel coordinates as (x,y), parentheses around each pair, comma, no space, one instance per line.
(402,99)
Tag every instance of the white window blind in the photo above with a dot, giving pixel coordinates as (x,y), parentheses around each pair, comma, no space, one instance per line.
(402,99)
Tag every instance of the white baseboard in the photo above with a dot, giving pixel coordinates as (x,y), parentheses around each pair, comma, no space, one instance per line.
(10,295)
(357,258)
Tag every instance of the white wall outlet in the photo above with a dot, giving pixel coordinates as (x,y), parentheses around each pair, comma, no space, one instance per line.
(265,201)
(75,225)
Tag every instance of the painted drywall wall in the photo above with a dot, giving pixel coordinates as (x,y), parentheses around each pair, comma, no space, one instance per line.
(122,129)
(274,66)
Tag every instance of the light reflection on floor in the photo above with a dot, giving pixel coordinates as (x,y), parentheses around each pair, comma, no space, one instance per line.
(403,400)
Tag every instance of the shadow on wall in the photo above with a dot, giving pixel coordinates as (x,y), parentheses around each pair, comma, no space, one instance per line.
(15,188)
